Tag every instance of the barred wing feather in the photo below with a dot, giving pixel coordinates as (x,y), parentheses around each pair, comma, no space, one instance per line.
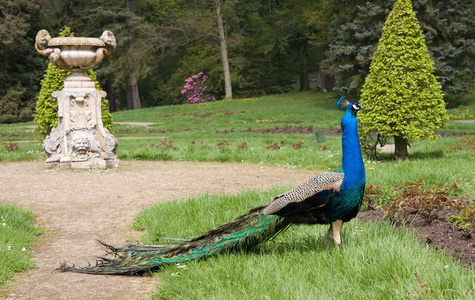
(311,189)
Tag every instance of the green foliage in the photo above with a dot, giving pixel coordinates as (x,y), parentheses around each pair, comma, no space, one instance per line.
(466,143)
(170,40)
(46,116)
(20,65)
(448,27)
(17,234)
(465,219)
(203,57)
(373,195)
(413,197)
(402,95)
(353,39)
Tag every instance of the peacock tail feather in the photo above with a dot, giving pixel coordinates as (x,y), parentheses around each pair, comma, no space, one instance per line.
(243,233)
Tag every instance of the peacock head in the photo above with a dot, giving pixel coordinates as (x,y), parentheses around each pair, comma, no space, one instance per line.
(351,107)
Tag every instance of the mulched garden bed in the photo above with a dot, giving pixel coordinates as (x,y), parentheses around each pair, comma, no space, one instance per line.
(311,130)
(439,234)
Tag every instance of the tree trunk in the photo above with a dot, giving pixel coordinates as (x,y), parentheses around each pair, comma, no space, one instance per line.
(400,148)
(325,80)
(133,99)
(304,81)
(111,93)
(224,53)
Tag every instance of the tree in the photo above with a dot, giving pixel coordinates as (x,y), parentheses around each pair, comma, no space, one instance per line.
(448,26)
(319,20)
(224,52)
(353,38)
(133,99)
(20,65)
(296,32)
(403,97)
(163,42)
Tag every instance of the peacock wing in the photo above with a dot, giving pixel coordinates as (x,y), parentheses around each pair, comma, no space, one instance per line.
(311,194)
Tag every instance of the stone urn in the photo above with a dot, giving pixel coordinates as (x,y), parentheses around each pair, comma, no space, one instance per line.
(80,141)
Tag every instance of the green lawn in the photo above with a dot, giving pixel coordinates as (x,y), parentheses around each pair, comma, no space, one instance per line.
(226,131)
(376,261)
(17,234)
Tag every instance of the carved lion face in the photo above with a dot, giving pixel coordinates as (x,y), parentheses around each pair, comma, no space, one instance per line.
(81,144)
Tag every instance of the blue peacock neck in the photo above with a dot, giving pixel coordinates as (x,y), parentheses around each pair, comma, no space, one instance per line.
(352,160)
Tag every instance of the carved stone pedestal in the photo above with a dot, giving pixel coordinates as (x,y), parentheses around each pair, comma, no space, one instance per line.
(80,141)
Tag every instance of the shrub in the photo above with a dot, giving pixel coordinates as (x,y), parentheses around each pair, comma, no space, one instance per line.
(275,146)
(466,143)
(10,146)
(194,142)
(465,220)
(243,146)
(195,89)
(222,144)
(372,196)
(164,145)
(413,197)
(403,97)
(297,146)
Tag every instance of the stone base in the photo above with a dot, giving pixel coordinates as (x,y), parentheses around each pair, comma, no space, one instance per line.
(80,140)
(93,163)
(112,163)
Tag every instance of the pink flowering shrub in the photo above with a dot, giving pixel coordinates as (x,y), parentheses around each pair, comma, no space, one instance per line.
(195,89)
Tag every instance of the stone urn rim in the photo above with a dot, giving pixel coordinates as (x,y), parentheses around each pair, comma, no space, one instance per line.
(76,41)
(75,53)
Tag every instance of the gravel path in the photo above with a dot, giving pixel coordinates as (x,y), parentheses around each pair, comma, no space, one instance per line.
(78,207)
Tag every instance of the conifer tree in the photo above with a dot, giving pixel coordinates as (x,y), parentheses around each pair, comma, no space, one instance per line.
(448,27)
(46,116)
(403,97)
(20,64)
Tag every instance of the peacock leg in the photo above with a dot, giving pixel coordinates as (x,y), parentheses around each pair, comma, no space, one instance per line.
(336,228)
(329,235)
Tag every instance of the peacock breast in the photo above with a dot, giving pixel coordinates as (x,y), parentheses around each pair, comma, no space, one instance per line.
(346,205)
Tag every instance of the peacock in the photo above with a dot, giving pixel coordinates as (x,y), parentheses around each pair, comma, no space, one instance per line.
(329,198)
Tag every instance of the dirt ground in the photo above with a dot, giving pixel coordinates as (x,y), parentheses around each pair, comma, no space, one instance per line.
(78,207)
(439,234)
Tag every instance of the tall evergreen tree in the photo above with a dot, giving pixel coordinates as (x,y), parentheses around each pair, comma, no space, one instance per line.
(449,28)
(294,27)
(448,25)
(354,34)
(402,95)
(20,65)
(133,98)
